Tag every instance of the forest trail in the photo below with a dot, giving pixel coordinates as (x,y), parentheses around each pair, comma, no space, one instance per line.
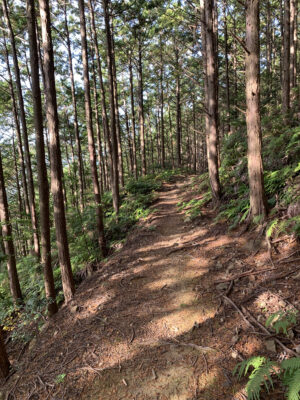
(150,324)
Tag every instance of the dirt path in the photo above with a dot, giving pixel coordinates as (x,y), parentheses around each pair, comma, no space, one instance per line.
(153,304)
(137,327)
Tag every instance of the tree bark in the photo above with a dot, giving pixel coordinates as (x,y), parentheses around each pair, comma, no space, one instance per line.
(113,126)
(212,102)
(293,47)
(116,101)
(141,106)
(55,154)
(286,59)
(25,133)
(178,109)
(98,129)
(133,119)
(41,163)
(106,128)
(162,122)
(227,95)
(90,133)
(258,204)
(14,283)
(4,361)
(18,132)
(129,139)
(74,102)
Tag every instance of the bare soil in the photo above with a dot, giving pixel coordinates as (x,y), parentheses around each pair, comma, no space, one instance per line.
(153,322)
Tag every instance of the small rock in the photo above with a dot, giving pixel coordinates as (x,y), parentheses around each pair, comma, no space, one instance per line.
(219,265)
(293,209)
(270,345)
(260,263)
(234,354)
(297,349)
(234,339)
(222,286)
(43,328)
(230,268)
(196,325)
(74,309)
(32,344)
(249,245)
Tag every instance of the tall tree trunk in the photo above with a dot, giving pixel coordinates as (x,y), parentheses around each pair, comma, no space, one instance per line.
(293,47)
(55,154)
(18,132)
(41,163)
(286,60)
(113,126)
(4,362)
(163,156)
(141,107)
(25,133)
(194,137)
(129,139)
(204,66)
(235,75)
(212,105)
(258,204)
(106,128)
(98,129)
(116,101)
(90,133)
(227,95)
(20,201)
(74,102)
(269,50)
(133,119)
(14,283)
(178,109)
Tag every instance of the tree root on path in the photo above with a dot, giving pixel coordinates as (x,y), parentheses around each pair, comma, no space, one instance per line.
(244,313)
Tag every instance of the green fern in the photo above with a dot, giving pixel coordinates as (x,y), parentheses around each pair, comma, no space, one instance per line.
(288,371)
(291,365)
(263,368)
(281,321)
(292,381)
(243,367)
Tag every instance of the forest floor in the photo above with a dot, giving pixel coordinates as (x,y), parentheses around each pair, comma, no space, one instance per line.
(155,323)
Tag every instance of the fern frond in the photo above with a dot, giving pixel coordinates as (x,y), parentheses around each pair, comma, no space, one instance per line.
(260,375)
(281,321)
(243,367)
(290,365)
(293,384)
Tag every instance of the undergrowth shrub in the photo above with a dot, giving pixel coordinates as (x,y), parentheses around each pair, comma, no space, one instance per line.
(281,154)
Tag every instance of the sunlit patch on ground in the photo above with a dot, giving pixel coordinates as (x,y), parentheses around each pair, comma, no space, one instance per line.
(136,329)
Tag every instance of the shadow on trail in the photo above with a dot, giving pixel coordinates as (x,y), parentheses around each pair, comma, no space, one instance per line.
(133,328)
